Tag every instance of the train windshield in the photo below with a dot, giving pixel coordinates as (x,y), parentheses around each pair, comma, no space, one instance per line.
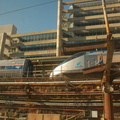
(74,56)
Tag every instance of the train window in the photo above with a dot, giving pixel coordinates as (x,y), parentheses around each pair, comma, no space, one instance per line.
(9,67)
(2,67)
(75,56)
(88,63)
(18,67)
(13,67)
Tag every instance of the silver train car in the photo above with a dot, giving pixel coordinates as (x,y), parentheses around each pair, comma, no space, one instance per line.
(16,68)
(78,62)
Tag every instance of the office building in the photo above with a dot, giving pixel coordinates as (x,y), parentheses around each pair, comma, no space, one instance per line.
(78,22)
(82,21)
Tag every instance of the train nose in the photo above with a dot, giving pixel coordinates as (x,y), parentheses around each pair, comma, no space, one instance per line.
(51,75)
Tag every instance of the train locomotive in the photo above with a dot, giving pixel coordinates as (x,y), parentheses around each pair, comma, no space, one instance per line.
(16,68)
(79,61)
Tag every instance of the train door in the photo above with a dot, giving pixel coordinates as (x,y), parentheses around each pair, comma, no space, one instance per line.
(90,60)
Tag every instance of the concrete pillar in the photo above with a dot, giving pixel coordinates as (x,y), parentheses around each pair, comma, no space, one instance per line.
(59,29)
(2,45)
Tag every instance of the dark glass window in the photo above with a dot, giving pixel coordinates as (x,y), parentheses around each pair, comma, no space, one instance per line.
(9,67)
(74,56)
(14,67)
(2,67)
(46,36)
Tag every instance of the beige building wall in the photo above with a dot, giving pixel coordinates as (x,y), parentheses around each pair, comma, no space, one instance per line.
(88,20)
(9,29)
(5,42)
(11,47)
(16,43)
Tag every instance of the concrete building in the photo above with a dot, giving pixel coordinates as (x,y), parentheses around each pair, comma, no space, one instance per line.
(9,29)
(27,45)
(5,40)
(82,21)
(78,22)
(35,44)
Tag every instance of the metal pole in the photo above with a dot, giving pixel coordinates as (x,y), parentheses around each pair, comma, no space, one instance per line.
(108,103)
(109,35)
(108,107)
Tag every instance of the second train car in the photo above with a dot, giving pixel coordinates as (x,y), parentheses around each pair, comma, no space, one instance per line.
(16,68)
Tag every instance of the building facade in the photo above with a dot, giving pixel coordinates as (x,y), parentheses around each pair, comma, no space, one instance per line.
(82,21)
(35,44)
(5,40)
(79,21)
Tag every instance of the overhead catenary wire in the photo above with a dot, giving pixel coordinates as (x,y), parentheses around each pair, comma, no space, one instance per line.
(28,7)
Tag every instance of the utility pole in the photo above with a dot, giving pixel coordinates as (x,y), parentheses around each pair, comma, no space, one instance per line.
(59,30)
(107,82)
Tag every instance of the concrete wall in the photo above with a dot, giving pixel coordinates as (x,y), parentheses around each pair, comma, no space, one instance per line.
(4,31)
(9,29)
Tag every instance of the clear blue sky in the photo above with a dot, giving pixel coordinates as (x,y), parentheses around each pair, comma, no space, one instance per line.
(39,18)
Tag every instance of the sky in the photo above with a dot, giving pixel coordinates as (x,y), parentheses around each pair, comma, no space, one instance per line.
(33,19)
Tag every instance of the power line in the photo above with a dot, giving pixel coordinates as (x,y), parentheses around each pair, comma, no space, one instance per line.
(28,7)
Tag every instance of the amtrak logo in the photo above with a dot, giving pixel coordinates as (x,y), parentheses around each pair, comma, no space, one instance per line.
(78,65)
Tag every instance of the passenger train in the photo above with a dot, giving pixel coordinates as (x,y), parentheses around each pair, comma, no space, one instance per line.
(78,62)
(70,67)
(16,68)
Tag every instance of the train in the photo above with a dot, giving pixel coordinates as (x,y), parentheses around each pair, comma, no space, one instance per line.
(16,68)
(71,67)
(79,61)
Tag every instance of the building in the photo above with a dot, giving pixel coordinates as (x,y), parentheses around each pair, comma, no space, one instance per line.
(82,21)
(35,44)
(78,22)
(5,44)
